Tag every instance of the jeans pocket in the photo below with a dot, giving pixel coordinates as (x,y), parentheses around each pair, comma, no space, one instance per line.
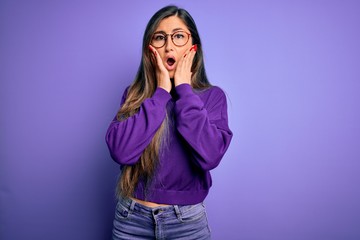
(192,213)
(121,212)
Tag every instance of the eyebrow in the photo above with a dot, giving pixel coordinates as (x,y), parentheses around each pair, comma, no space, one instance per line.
(174,30)
(177,29)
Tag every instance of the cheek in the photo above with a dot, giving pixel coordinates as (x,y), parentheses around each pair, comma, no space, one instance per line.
(186,48)
(183,51)
(162,56)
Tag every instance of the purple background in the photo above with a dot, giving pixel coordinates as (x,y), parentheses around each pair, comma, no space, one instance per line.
(291,70)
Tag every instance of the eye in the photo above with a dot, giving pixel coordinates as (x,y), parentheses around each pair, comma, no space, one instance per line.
(179,35)
(158,37)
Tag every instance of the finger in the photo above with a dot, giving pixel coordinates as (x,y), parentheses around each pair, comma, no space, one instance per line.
(155,54)
(185,58)
(153,50)
(184,65)
(189,58)
(159,62)
(191,55)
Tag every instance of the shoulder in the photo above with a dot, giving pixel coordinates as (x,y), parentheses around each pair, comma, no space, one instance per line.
(127,90)
(124,96)
(213,93)
(213,98)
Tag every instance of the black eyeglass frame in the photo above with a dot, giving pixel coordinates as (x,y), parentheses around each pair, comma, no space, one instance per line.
(172,38)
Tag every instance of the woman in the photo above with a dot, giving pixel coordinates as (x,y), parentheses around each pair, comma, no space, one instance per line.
(170,131)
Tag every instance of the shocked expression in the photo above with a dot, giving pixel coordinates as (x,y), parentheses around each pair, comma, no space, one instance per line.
(171,39)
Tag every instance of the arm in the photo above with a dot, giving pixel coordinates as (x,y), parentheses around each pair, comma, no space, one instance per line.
(128,139)
(204,129)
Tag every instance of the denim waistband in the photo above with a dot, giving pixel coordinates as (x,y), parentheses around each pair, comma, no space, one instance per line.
(163,222)
(134,206)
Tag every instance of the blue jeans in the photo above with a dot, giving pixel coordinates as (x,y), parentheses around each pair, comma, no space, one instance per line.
(136,221)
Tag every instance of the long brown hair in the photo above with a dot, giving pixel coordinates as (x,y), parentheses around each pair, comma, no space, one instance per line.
(144,87)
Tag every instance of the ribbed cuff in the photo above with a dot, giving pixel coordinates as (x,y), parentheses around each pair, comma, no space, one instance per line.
(184,90)
(161,95)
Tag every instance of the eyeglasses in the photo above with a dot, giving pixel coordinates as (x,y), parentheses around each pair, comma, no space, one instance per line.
(179,38)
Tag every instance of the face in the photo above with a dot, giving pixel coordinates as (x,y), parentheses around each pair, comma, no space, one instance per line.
(171,53)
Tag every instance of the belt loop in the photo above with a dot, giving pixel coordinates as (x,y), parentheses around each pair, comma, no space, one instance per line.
(132,205)
(177,211)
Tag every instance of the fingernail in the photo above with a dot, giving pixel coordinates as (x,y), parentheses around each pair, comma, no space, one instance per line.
(194,47)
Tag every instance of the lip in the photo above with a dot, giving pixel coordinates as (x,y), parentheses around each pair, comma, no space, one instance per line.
(167,66)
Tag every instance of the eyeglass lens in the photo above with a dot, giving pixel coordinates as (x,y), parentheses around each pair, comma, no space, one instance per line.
(178,38)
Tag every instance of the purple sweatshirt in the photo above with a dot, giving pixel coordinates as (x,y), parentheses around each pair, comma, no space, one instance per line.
(197,140)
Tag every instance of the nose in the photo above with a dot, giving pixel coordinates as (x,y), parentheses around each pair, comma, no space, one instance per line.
(169,45)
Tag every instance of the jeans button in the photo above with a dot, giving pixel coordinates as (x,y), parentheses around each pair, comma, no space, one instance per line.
(125,213)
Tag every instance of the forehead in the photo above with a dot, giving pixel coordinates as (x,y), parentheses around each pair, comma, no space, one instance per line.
(170,24)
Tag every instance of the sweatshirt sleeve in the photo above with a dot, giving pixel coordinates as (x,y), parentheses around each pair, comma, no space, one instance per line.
(204,128)
(127,139)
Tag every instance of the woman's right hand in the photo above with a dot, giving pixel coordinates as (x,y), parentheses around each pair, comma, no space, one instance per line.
(162,74)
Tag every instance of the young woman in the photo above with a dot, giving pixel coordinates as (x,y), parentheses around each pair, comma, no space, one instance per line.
(170,131)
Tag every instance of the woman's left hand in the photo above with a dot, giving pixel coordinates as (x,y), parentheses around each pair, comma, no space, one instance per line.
(183,70)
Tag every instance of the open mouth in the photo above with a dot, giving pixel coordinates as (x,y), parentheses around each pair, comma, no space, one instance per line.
(170,61)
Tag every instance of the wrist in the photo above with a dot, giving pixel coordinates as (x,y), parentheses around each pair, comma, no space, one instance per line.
(178,82)
(168,89)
